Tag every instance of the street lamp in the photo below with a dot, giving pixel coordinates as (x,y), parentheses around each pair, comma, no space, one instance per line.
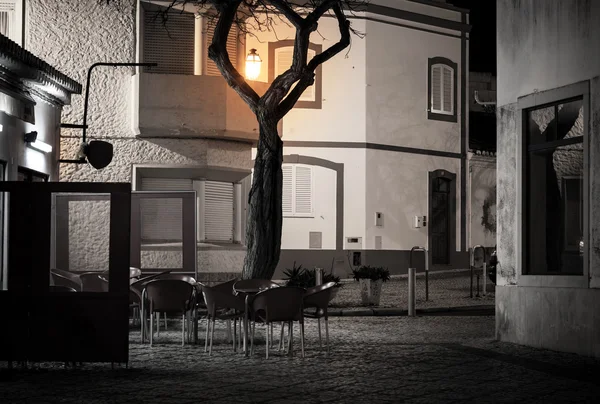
(253,63)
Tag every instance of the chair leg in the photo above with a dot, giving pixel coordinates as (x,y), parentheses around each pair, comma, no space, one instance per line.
(207,331)
(290,338)
(228,330)
(281,337)
(271,330)
(157,315)
(142,323)
(183,329)
(234,339)
(302,337)
(252,338)
(212,334)
(268,330)
(327,335)
(319,325)
(165,321)
(151,325)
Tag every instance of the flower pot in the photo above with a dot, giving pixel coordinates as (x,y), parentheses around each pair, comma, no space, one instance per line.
(370,291)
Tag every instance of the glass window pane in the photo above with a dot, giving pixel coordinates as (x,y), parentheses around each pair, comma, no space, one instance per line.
(555,210)
(541,125)
(570,119)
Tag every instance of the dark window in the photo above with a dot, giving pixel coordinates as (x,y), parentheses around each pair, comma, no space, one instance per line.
(553,189)
(31,176)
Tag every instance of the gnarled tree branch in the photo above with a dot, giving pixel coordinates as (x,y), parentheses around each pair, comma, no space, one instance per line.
(308,75)
(217,52)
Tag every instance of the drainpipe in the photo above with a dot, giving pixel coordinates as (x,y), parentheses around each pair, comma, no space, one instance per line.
(478,101)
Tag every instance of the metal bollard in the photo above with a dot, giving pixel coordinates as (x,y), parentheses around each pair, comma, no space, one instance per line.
(412,280)
(426,276)
(318,276)
(472,264)
(477,295)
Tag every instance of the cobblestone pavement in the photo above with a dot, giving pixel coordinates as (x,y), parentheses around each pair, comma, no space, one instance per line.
(373,360)
(446,289)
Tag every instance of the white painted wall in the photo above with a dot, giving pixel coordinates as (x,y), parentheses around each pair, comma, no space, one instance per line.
(295,232)
(545,44)
(342,116)
(398,186)
(397,59)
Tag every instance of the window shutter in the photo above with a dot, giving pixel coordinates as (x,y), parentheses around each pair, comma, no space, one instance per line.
(232,47)
(436,88)
(283,60)
(7,14)
(218,211)
(171,46)
(162,218)
(287,189)
(303,191)
(448,83)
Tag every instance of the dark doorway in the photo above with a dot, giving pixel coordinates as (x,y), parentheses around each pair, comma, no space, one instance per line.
(442,202)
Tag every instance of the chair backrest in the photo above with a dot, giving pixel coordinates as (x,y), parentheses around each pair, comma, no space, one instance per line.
(67,281)
(279,304)
(226,287)
(61,288)
(135,272)
(215,299)
(254,284)
(319,296)
(179,277)
(170,295)
(93,283)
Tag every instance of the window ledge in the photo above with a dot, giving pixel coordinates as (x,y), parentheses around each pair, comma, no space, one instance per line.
(554,281)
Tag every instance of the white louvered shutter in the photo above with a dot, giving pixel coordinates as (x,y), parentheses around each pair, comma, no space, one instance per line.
(232,47)
(288,186)
(218,211)
(170,45)
(162,218)
(7,17)
(436,88)
(303,191)
(283,61)
(448,84)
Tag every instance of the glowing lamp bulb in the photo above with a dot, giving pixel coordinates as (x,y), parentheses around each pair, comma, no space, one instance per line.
(253,63)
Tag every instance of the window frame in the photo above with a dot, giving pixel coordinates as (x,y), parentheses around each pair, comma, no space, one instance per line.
(31,174)
(317,103)
(524,105)
(440,115)
(295,214)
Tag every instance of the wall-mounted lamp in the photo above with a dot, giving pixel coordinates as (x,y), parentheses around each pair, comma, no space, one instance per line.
(31,140)
(253,63)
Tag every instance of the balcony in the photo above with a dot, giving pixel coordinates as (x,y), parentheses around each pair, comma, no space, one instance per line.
(202,106)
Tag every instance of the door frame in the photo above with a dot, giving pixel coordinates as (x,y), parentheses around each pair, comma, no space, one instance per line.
(434,175)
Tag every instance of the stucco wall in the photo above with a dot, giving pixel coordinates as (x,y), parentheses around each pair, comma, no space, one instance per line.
(545,44)
(398,186)
(396,75)
(72,35)
(482,201)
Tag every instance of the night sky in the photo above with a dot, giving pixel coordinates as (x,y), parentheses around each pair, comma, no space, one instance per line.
(482,51)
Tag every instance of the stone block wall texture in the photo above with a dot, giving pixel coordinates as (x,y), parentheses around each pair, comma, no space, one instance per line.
(72,35)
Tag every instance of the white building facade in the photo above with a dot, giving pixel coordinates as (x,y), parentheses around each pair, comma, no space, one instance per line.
(548,183)
(375,152)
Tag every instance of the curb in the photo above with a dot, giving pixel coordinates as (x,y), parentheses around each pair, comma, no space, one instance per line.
(395,312)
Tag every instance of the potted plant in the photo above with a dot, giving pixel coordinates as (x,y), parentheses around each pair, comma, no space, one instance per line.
(371,279)
(307,278)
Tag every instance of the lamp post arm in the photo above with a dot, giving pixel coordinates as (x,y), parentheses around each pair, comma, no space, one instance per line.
(87,87)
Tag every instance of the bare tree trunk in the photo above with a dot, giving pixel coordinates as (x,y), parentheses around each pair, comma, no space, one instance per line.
(263,230)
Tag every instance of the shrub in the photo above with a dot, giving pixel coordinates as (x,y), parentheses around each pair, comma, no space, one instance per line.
(373,273)
(307,278)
